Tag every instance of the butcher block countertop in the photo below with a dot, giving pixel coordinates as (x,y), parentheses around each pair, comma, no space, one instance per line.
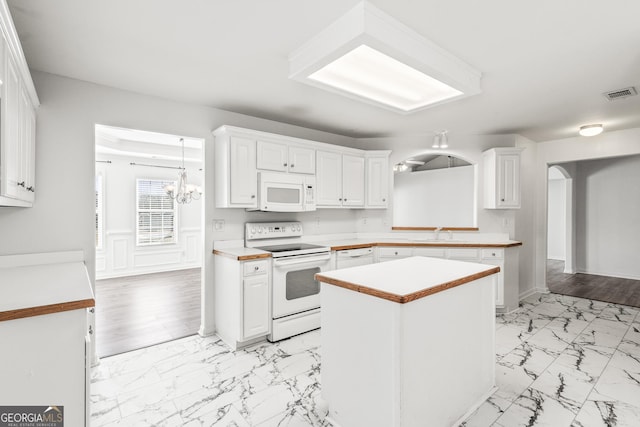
(38,284)
(245,254)
(242,254)
(408,279)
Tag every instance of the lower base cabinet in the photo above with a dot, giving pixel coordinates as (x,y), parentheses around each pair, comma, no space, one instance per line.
(45,362)
(242,300)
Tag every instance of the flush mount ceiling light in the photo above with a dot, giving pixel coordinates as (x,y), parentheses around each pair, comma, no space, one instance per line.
(368,55)
(591,130)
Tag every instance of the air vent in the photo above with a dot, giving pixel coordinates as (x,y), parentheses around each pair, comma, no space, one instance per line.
(621,93)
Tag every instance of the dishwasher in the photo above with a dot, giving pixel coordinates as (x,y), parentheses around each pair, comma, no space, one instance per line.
(354,257)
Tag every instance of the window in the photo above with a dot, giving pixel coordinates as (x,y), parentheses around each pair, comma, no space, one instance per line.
(99,211)
(155,213)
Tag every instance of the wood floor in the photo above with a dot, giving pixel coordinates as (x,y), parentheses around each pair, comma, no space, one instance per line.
(600,288)
(139,311)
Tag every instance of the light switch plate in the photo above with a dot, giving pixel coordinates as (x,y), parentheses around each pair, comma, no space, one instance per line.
(218,224)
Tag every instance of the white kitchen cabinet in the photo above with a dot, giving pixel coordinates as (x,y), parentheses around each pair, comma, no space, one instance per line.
(501,178)
(391,253)
(340,180)
(328,179)
(377,179)
(45,333)
(352,181)
(283,157)
(236,176)
(496,257)
(302,160)
(17,115)
(242,300)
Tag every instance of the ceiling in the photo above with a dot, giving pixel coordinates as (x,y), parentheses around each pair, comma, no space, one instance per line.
(545,63)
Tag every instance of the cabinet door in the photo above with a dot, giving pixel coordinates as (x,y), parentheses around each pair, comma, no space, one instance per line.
(377,182)
(302,160)
(498,279)
(243,175)
(352,181)
(255,306)
(272,156)
(11,181)
(508,181)
(27,147)
(328,179)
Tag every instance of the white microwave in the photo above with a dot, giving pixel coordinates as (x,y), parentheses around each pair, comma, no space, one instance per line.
(284,192)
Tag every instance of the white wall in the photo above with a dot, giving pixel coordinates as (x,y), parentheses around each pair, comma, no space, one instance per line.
(607,217)
(556,242)
(120,255)
(605,145)
(439,197)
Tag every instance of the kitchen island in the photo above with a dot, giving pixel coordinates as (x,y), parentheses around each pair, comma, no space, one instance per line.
(407,343)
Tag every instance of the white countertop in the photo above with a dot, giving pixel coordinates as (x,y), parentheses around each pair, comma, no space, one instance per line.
(31,286)
(407,279)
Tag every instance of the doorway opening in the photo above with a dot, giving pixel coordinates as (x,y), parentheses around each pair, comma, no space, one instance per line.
(149,245)
(591,218)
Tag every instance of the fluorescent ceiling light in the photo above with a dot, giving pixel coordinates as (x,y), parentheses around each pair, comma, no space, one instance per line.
(591,130)
(373,75)
(369,56)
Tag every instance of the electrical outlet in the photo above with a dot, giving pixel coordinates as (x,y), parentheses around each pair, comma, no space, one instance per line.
(218,224)
(364,220)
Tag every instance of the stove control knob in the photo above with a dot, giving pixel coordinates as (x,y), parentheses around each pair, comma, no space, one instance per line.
(298,228)
(259,229)
(253,230)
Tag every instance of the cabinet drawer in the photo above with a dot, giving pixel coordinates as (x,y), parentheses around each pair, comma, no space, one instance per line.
(492,253)
(255,267)
(470,254)
(399,252)
(432,252)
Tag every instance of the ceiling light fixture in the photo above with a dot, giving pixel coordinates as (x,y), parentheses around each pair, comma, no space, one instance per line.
(183,192)
(591,130)
(440,140)
(368,55)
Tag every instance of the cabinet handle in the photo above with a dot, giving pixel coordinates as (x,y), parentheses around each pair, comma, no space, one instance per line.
(90,330)
(33,190)
(493,254)
(345,200)
(292,165)
(502,200)
(340,200)
(284,164)
(384,200)
(395,253)
(253,196)
(21,184)
(256,268)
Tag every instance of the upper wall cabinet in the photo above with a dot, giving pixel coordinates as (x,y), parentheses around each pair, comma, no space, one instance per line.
(286,158)
(340,180)
(377,179)
(502,178)
(18,118)
(345,177)
(236,177)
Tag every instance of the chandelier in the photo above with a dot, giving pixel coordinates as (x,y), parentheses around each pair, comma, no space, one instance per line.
(183,192)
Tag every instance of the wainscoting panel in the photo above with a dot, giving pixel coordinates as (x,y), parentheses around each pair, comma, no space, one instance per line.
(119,253)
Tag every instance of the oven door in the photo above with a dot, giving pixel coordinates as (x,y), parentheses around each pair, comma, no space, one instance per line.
(294,287)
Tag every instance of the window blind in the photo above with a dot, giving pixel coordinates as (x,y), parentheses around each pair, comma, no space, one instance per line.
(155,213)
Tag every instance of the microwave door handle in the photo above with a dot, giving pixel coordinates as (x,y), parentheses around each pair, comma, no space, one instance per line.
(301,259)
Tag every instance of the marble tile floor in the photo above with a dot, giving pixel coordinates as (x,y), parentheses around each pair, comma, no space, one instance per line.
(560,361)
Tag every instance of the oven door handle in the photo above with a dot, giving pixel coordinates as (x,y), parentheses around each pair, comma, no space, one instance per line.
(300,259)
